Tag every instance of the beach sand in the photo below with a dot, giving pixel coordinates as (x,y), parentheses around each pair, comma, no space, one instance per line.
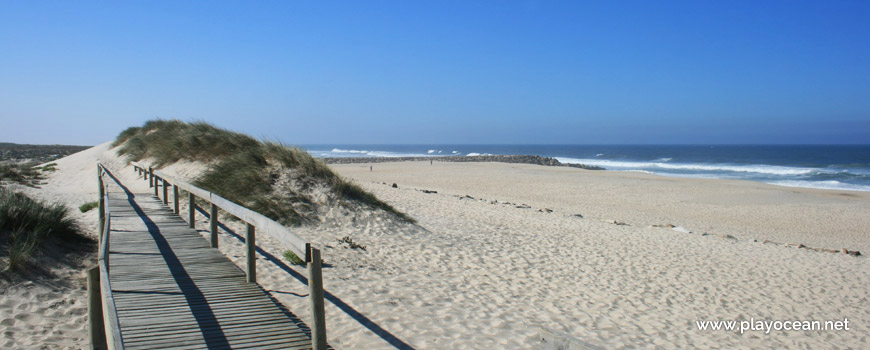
(48,310)
(476,274)
(483,275)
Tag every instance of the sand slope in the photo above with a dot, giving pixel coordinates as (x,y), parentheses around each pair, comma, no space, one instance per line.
(50,312)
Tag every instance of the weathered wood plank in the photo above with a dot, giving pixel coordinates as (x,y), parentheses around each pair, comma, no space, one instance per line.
(169,297)
(171,290)
(184,326)
(238,334)
(135,325)
(315,287)
(238,309)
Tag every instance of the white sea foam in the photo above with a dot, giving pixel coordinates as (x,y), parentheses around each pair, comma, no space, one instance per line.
(664,159)
(337,150)
(432,151)
(825,185)
(472,154)
(652,166)
(599,154)
(761,172)
(455,152)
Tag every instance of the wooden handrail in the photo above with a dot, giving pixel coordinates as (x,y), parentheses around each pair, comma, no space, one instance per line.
(297,244)
(263,224)
(111,324)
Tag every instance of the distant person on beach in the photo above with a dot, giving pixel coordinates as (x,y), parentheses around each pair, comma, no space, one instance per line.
(370,168)
(430,162)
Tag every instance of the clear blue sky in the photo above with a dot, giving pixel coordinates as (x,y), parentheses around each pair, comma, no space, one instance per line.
(540,72)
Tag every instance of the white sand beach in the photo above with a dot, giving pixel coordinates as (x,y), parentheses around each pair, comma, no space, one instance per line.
(479,273)
(486,275)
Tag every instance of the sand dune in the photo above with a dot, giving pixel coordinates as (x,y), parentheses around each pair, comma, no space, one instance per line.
(51,313)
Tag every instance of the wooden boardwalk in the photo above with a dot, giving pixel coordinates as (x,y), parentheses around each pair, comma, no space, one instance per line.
(171,290)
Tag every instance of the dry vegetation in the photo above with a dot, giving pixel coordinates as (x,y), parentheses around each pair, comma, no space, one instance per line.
(284,183)
(26,225)
(37,154)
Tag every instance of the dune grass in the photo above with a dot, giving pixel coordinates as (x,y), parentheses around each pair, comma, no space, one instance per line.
(25,223)
(50,167)
(292,258)
(25,174)
(168,141)
(243,169)
(84,208)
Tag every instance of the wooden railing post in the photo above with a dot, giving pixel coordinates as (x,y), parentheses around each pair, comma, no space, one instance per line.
(156,185)
(175,198)
(96,327)
(213,225)
(251,245)
(315,294)
(150,178)
(191,207)
(108,242)
(165,192)
(103,203)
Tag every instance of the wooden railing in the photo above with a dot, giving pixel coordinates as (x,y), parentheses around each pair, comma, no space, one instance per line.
(254,221)
(105,330)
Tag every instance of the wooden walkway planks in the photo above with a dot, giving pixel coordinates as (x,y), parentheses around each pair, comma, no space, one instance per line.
(172,290)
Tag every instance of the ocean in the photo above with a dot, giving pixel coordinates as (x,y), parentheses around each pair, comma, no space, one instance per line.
(839,167)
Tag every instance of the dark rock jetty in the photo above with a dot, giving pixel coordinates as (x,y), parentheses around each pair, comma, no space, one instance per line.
(522,159)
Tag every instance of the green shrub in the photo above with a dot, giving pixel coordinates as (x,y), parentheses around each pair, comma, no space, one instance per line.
(24,174)
(125,135)
(88,206)
(22,244)
(25,223)
(292,258)
(51,167)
